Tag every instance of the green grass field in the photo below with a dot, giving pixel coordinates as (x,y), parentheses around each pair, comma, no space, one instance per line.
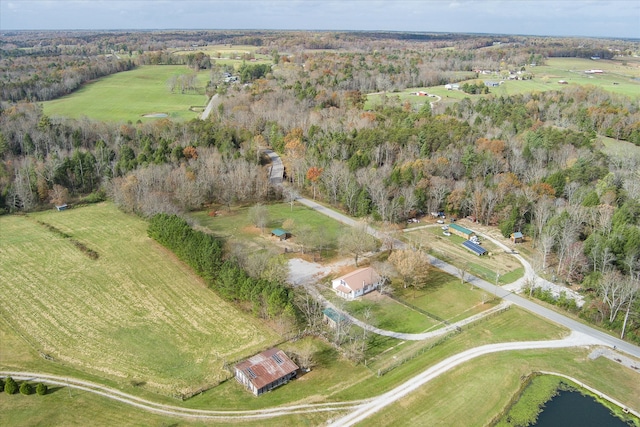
(621,77)
(227,54)
(443,296)
(472,394)
(136,314)
(235,225)
(130,95)
(332,379)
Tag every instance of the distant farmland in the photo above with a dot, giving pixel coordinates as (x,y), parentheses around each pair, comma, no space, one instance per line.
(130,95)
(621,77)
(135,314)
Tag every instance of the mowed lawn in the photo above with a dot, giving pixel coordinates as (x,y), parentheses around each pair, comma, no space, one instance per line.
(235,225)
(135,314)
(129,95)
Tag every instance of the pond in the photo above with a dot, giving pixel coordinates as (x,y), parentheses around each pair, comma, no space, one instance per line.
(572,409)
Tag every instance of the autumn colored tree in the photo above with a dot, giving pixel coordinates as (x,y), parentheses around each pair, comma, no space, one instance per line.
(413,266)
(190,152)
(313,174)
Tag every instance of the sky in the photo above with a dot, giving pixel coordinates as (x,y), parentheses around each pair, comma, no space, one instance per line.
(591,18)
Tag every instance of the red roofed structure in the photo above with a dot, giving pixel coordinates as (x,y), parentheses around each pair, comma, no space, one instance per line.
(266,371)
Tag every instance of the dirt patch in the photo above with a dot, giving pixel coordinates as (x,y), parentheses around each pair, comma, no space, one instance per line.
(155,115)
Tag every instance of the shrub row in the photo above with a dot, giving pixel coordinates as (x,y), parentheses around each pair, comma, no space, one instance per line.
(10,386)
(204,253)
(84,248)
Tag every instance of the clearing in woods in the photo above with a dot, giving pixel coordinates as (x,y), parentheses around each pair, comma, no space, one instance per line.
(134,95)
(134,314)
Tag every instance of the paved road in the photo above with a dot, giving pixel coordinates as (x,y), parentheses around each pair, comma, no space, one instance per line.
(209,107)
(489,287)
(276,175)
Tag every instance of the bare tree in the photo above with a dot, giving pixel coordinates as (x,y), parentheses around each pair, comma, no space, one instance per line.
(291,194)
(385,271)
(311,309)
(357,241)
(259,216)
(462,270)
(616,291)
(547,240)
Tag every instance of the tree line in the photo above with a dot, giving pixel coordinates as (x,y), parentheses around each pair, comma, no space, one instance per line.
(268,299)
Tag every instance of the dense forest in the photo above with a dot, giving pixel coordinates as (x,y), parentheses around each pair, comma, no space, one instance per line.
(530,162)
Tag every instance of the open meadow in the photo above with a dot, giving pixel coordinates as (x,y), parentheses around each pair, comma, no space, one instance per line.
(235,225)
(228,54)
(130,95)
(619,76)
(135,314)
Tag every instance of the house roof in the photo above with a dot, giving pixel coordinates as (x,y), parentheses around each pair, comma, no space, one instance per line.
(460,228)
(358,279)
(477,249)
(517,235)
(267,367)
(279,232)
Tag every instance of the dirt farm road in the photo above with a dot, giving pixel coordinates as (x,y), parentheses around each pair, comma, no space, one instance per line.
(356,410)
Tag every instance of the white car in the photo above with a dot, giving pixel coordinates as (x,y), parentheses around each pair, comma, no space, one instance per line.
(445,227)
(440,221)
(446,233)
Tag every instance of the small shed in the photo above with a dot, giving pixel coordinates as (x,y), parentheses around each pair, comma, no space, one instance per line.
(280,233)
(332,317)
(517,237)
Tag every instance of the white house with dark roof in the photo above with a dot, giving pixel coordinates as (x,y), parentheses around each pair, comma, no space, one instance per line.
(356,283)
(266,371)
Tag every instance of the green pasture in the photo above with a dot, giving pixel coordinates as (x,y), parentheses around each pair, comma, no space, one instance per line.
(392,315)
(130,95)
(228,54)
(618,147)
(331,379)
(235,225)
(135,314)
(336,379)
(474,393)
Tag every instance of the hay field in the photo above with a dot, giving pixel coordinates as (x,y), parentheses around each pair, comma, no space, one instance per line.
(134,315)
(130,95)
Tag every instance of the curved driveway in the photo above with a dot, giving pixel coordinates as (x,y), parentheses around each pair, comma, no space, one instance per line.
(493,289)
(365,410)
